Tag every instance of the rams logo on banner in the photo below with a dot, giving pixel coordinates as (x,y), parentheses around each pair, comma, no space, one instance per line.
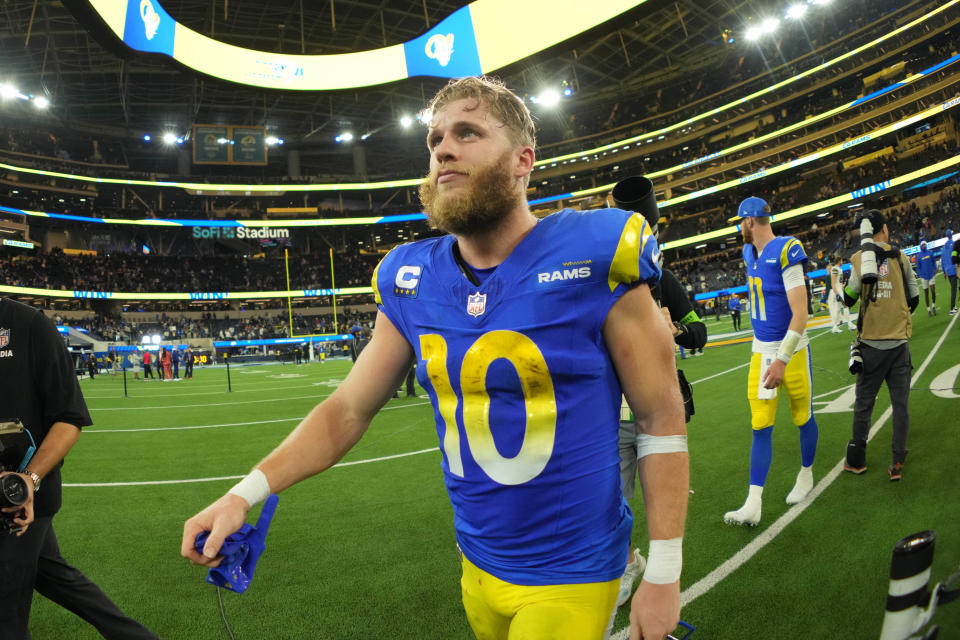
(440,48)
(150,17)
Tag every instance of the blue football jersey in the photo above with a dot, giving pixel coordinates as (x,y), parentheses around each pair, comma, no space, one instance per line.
(769,309)
(926,264)
(525,396)
(946,258)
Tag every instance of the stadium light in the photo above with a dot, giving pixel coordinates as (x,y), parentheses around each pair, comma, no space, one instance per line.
(753,33)
(219,140)
(548,98)
(406,122)
(179,140)
(147,137)
(8,91)
(425,117)
(169,138)
(272,140)
(796,11)
(346,136)
(41,102)
(769,25)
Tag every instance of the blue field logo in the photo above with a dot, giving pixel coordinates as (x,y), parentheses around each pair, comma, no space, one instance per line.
(149,27)
(449,50)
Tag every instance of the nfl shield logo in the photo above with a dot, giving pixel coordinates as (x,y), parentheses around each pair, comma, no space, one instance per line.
(5,337)
(476,304)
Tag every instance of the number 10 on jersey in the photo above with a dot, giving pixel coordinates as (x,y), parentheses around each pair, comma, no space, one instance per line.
(539,402)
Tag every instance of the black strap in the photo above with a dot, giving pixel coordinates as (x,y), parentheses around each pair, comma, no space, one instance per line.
(464,267)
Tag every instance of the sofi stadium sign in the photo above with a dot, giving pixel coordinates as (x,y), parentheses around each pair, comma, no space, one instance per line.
(483,36)
(240,233)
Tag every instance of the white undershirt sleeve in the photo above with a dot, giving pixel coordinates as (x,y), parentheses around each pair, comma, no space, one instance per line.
(793,277)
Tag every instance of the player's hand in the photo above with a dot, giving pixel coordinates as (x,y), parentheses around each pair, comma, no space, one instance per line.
(23,514)
(222,518)
(654,611)
(774,375)
(666,316)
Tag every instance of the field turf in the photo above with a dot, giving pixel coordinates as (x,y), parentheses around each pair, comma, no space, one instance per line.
(366,550)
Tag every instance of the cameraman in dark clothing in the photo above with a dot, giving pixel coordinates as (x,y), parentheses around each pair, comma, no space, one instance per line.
(890,293)
(689,331)
(41,391)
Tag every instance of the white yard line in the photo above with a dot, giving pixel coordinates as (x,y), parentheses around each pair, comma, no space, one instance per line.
(194,480)
(224,424)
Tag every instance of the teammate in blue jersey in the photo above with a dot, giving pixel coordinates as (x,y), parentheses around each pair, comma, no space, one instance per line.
(948,263)
(525,333)
(781,352)
(927,273)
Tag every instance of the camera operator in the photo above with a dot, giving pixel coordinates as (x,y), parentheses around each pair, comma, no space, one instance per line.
(636,194)
(41,391)
(882,278)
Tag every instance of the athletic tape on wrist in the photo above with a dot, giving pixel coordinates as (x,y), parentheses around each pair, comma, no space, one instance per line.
(788,346)
(647,444)
(254,488)
(664,561)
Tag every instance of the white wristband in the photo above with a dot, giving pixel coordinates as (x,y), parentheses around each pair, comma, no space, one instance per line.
(254,488)
(664,561)
(788,346)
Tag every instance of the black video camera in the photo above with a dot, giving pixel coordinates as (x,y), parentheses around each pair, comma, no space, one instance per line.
(13,493)
(636,194)
(16,450)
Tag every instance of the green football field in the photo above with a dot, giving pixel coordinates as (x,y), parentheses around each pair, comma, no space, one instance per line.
(367,549)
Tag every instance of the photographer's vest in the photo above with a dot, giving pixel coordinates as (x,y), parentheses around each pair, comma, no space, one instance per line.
(885,316)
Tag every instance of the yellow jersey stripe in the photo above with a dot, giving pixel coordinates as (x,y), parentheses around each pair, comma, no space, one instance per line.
(625,266)
(373,283)
(786,249)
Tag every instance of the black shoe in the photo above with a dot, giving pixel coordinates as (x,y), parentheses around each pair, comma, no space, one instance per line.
(855,470)
(895,471)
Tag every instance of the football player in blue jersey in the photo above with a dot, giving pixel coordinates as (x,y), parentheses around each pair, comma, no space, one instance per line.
(525,332)
(927,273)
(781,352)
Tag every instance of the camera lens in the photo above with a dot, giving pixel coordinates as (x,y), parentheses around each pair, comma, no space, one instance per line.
(13,491)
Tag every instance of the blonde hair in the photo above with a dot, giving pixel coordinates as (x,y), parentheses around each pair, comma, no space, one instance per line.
(505,105)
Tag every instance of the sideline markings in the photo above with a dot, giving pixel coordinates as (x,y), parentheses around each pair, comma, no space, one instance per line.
(195,480)
(740,558)
(210,404)
(196,393)
(225,424)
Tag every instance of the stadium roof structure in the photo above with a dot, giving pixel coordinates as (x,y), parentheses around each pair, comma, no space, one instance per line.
(99,86)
